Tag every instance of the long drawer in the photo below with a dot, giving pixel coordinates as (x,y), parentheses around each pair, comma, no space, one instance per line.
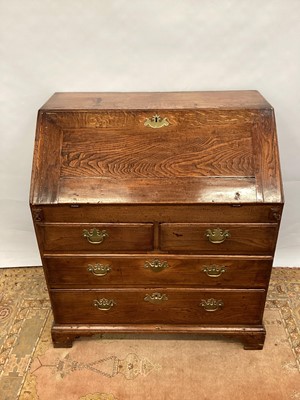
(96,238)
(158,305)
(252,239)
(109,270)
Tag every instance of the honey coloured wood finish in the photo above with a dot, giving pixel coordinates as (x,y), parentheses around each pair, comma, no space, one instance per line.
(157,212)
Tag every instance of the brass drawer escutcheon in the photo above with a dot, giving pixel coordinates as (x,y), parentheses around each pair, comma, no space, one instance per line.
(94,236)
(156,265)
(156,297)
(211,304)
(217,235)
(156,122)
(104,304)
(99,269)
(214,271)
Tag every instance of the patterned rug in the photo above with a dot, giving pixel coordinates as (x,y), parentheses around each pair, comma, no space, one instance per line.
(126,367)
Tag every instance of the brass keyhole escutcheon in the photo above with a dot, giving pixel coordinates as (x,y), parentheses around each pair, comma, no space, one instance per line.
(156,122)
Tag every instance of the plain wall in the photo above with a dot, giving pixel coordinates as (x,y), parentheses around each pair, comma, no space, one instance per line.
(165,45)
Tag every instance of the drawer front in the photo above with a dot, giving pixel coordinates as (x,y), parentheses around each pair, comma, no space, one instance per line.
(252,239)
(96,238)
(157,270)
(168,306)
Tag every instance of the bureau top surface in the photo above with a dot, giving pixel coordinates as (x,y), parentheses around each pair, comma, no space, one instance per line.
(251,99)
(156,148)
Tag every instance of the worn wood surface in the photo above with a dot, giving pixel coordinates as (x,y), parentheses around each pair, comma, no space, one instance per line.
(159,155)
(251,336)
(132,121)
(230,144)
(245,239)
(156,192)
(130,271)
(208,213)
(121,237)
(181,306)
(116,101)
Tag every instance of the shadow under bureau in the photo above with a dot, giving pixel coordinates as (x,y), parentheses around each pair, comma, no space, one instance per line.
(157,212)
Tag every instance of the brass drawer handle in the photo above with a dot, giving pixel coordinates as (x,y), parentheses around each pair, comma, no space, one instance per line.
(156,122)
(99,269)
(94,236)
(214,271)
(156,265)
(156,297)
(217,235)
(211,304)
(104,304)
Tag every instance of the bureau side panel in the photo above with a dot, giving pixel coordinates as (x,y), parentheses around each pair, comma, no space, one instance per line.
(46,164)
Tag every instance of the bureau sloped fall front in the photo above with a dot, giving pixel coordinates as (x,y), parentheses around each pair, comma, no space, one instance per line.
(157,212)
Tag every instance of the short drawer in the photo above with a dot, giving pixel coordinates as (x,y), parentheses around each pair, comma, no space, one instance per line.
(157,270)
(96,238)
(158,305)
(252,239)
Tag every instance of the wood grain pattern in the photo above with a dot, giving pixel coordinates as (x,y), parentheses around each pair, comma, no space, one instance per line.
(159,155)
(179,120)
(240,307)
(218,213)
(46,166)
(130,271)
(215,140)
(118,100)
(244,238)
(252,337)
(156,192)
(176,190)
(267,158)
(121,237)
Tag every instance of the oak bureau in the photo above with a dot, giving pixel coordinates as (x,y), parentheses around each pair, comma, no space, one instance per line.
(157,212)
